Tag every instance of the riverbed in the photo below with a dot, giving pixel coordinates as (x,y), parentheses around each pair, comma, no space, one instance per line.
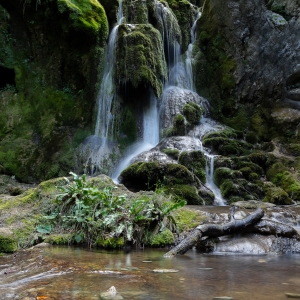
(78,273)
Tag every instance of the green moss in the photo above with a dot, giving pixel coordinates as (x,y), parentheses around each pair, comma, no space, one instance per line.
(185,192)
(173,153)
(146,176)
(225,146)
(163,238)
(221,174)
(195,162)
(192,112)
(277,196)
(59,239)
(294,149)
(213,66)
(7,242)
(228,188)
(279,175)
(88,15)
(185,14)
(111,243)
(178,127)
(140,57)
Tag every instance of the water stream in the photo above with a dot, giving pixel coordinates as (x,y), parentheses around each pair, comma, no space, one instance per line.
(78,274)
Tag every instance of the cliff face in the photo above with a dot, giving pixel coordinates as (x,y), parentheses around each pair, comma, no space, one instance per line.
(248,61)
(50,60)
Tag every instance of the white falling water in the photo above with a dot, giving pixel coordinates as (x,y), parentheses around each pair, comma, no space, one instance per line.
(104,121)
(208,125)
(97,148)
(219,200)
(149,140)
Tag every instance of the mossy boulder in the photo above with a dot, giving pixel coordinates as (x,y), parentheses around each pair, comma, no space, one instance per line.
(8,242)
(54,51)
(162,238)
(225,146)
(140,57)
(277,196)
(192,112)
(145,175)
(195,162)
(174,178)
(282,177)
(171,152)
(87,15)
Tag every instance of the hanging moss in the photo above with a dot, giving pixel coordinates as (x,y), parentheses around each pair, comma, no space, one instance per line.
(185,14)
(135,12)
(140,58)
(87,15)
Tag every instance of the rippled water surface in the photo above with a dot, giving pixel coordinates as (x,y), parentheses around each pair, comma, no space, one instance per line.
(71,273)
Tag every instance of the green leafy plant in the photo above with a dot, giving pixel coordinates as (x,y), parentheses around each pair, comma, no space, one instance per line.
(90,213)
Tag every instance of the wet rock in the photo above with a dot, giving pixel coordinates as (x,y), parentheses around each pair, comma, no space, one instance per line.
(111,293)
(223,298)
(252,204)
(173,101)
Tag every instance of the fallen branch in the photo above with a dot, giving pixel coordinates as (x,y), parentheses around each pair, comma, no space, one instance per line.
(215,230)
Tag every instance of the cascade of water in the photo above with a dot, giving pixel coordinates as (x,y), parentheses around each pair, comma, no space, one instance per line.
(107,91)
(189,55)
(104,121)
(219,200)
(149,140)
(208,125)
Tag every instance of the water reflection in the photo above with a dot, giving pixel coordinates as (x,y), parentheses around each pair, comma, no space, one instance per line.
(70,273)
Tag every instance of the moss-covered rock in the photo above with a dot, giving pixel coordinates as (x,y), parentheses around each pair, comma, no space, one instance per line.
(88,15)
(225,146)
(186,192)
(8,242)
(110,243)
(192,112)
(277,196)
(140,57)
(195,162)
(185,14)
(162,238)
(54,50)
(188,219)
(173,153)
(145,175)
(59,239)
(281,176)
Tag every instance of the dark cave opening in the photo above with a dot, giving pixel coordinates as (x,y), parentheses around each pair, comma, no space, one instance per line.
(7,77)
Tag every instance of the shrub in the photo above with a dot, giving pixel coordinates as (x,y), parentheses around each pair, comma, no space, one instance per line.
(92,214)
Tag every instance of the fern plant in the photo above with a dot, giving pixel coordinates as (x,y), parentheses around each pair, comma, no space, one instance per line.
(89,213)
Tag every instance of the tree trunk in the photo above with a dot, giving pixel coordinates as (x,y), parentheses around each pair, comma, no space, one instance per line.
(214,230)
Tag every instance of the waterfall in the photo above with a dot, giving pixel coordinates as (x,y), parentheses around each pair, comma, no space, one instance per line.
(149,139)
(219,200)
(104,120)
(97,148)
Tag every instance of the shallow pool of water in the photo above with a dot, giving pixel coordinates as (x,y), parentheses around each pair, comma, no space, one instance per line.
(74,273)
